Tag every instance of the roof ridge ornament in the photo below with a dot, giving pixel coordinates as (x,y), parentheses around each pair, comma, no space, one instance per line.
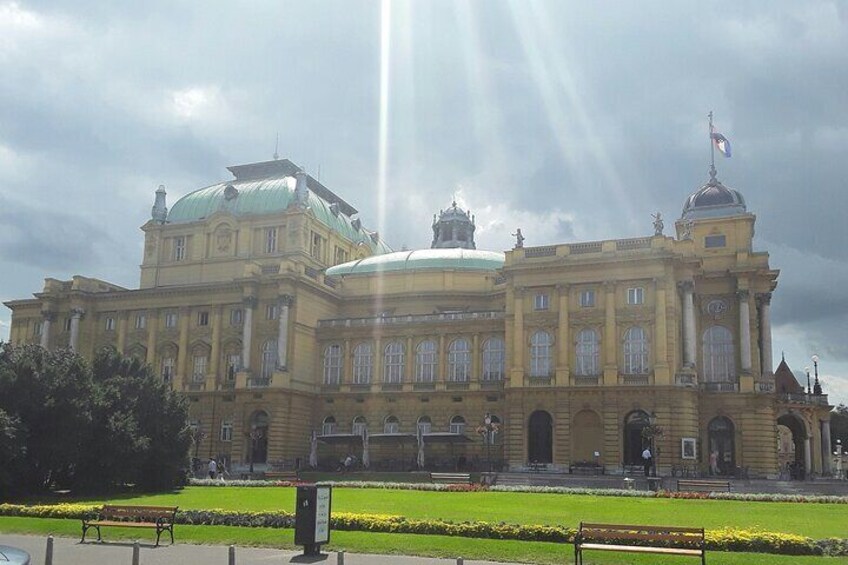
(159,212)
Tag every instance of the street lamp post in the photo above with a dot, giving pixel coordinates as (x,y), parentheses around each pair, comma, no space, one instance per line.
(817,389)
(488,431)
(809,390)
(838,454)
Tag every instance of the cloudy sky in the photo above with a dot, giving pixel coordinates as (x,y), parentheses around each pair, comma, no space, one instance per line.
(572,121)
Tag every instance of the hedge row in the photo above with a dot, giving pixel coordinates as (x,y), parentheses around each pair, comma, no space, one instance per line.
(747,497)
(728,539)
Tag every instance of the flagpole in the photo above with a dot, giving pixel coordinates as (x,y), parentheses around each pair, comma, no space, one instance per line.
(712,148)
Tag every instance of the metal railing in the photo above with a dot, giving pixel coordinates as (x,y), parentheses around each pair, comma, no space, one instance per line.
(720,387)
(411,319)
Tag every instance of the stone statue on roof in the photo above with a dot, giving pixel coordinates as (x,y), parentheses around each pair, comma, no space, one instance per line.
(658,223)
(519,239)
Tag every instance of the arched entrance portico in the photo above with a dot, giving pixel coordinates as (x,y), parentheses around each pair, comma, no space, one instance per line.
(793,460)
(722,442)
(540,432)
(634,443)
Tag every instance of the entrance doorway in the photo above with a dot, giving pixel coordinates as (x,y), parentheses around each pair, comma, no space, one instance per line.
(792,453)
(540,436)
(722,441)
(634,443)
(258,438)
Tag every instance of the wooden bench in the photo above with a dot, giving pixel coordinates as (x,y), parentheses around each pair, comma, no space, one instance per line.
(160,518)
(702,485)
(451,478)
(290,476)
(640,539)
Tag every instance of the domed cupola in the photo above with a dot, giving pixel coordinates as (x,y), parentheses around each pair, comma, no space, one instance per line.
(713,200)
(453,229)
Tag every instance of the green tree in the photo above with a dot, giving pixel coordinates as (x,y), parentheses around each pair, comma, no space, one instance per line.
(839,426)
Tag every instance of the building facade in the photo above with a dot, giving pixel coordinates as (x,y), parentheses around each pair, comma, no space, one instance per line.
(289,324)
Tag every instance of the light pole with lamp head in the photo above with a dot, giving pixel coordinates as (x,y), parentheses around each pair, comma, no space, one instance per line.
(254,435)
(838,454)
(817,389)
(809,390)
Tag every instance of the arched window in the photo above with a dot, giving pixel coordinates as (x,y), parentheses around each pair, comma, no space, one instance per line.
(269,359)
(391,425)
(168,368)
(425,424)
(635,351)
(232,360)
(494,356)
(540,354)
(200,363)
(459,360)
(332,364)
(588,353)
(359,426)
(363,363)
(329,426)
(457,425)
(719,358)
(425,361)
(393,363)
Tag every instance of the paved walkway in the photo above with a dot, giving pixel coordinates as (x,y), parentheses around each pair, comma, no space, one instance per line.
(67,551)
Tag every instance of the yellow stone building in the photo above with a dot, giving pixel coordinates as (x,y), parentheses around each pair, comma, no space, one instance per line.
(288,324)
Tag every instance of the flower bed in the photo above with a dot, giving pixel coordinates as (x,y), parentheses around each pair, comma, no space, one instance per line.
(728,539)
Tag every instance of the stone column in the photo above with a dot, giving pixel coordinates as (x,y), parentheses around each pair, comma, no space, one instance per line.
(152,328)
(808,458)
(122,331)
(247,331)
(764,301)
(286,300)
(76,316)
(215,354)
(47,320)
(610,336)
(563,336)
(409,362)
(443,360)
(689,350)
(377,362)
(518,335)
(347,372)
(182,356)
(744,331)
(661,372)
(476,355)
(826,447)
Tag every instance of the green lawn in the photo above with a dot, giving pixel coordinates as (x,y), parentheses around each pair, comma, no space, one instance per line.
(814,520)
(406,544)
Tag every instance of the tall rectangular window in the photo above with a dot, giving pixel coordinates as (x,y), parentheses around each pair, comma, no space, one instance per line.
(203,318)
(199,372)
(110,324)
(270,240)
(179,248)
(140,321)
(38,328)
(540,302)
(226,430)
(317,250)
(171,320)
(272,312)
(587,298)
(236,317)
(341,256)
(636,295)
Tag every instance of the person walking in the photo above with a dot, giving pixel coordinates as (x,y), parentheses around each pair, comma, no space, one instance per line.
(213,468)
(714,462)
(647,459)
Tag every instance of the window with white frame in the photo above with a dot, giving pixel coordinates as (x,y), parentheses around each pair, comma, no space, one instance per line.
(203,318)
(587,298)
(360,425)
(425,425)
(494,359)
(269,359)
(328,427)
(426,360)
(270,240)
(38,328)
(719,358)
(170,319)
(317,250)
(233,365)
(341,256)
(110,324)
(393,362)
(636,295)
(541,302)
(459,360)
(179,248)
(635,351)
(332,364)
(167,369)
(272,311)
(201,360)
(457,425)
(588,353)
(391,425)
(236,317)
(140,321)
(363,363)
(67,325)
(541,354)
(227,430)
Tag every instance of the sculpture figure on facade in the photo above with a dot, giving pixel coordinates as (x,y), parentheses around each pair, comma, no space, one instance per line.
(658,223)
(519,239)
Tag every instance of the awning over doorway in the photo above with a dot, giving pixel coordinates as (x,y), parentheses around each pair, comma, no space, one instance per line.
(392,439)
(446,437)
(336,439)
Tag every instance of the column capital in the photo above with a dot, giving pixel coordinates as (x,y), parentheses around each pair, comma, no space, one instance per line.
(763,298)
(519,291)
(124,315)
(48,316)
(77,313)
(686,286)
(286,300)
(562,288)
(743,294)
(609,286)
(250,302)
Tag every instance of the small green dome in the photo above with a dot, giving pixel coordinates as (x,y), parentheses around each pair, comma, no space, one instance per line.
(423,259)
(259,196)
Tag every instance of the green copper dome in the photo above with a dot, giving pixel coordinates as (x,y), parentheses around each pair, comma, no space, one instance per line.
(267,188)
(422,259)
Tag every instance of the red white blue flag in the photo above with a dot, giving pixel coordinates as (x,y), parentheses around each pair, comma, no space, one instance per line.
(721,143)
